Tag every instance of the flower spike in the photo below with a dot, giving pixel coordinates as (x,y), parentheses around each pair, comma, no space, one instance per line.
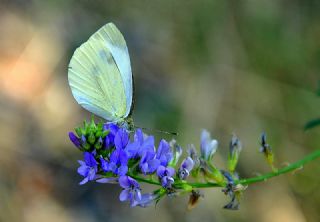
(112,155)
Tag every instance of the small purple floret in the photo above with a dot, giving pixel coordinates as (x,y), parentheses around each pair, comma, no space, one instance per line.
(140,145)
(121,139)
(148,163)
(117,163)
(166,175)
(164,154)
(113,129)
(131,190)
(185,168)
(88,168)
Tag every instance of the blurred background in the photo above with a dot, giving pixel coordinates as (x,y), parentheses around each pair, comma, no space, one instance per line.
(230,66)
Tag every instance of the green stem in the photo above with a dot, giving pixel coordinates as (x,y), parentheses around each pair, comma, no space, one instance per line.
(264,177)
(290,167)
(145,180)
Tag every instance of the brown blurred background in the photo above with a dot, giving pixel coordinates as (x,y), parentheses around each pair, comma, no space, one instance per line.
(228,66)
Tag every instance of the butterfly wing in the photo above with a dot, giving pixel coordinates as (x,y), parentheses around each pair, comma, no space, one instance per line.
(100,74)
(119,51)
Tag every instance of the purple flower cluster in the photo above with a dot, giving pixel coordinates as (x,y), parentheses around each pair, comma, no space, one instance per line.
(113,155)
(119,158)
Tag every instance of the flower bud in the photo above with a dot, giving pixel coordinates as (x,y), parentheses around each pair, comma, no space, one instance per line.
(234,152)
(185,168)
(267,151)
(192,152)
(74,139)
(177,151)
(91,138)
(210,172)
(208,147)
(98,144)
(84,143)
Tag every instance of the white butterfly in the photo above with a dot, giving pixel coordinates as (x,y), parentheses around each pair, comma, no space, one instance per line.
(100,75)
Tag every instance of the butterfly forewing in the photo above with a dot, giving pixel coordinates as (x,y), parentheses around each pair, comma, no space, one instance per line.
(100,75)
(119,50)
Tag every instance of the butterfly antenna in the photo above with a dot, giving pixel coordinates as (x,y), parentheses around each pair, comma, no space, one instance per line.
(158,131)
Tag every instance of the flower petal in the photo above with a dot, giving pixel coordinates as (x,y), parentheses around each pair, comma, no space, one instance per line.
(121,139)
(107,180)
(74,139)
(146,199)
(83,170)
(91,174)
(161,171)
(124,195)
(138,136)
(153,165)
(208,147)
(104,164)
(85,180)
(122,170)
(170,171)
(144,168)
(123,157)
(148,144)
(124,182)
(132,149)
(89,159)
(187,164)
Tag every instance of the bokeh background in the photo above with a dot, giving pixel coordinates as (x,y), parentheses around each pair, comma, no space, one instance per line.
(228,66)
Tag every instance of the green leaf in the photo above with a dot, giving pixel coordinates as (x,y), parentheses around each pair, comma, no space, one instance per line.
(311,124)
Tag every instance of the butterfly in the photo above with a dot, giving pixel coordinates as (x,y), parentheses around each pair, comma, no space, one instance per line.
(100,76)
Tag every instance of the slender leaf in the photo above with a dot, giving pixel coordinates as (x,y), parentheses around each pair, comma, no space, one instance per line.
(311,124)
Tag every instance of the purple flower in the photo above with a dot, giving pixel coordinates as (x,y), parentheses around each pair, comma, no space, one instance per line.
(148,163)
(113,129)
(166,176)
(207,147)
(104,164)
(117,163)
(131,190)
(147,199)
(140,145)
(118,160)
(121,139)
(164,154)
(74,139)
(88,168)
(185,168)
